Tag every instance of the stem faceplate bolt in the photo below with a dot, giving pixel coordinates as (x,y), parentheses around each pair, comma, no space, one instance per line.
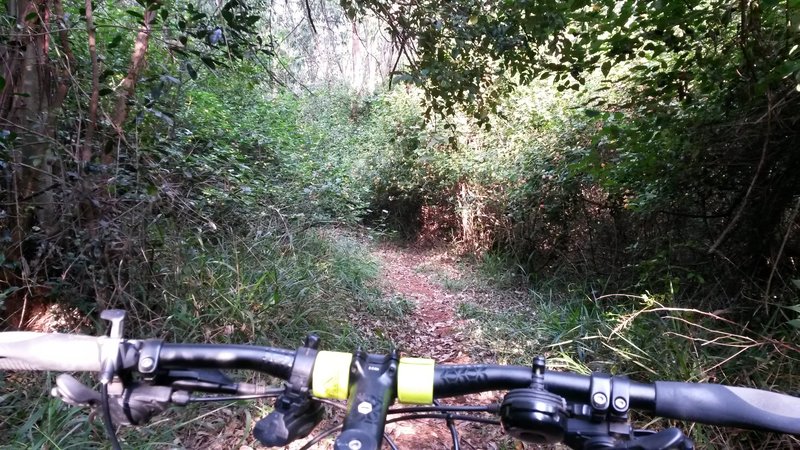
(599,399)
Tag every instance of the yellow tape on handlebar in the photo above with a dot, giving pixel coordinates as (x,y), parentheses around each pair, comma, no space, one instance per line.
(415,381)
(331,375)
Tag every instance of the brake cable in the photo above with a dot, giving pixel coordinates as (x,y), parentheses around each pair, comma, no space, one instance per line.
(490,409)
(107,422)
(414,413)
(444,417)
(273,392)
(445,412)
(452,426)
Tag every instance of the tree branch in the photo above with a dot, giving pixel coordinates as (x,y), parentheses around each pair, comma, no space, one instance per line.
(738,216)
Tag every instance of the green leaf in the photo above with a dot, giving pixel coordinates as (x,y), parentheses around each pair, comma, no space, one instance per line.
(605,68)
(794,323)
(473,19)
(796,283)
(228,16)
(133,13)
(228,6)
(2,83)
(192,72)
(106,73)
(170,79)
(209,62)
(115,42)
(163,116)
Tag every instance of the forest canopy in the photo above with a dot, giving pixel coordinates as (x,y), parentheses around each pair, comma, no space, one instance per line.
(671,135)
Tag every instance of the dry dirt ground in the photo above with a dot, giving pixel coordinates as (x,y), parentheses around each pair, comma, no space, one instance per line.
(432,330)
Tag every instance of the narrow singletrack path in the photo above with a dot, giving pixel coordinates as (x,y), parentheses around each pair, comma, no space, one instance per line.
(435,283)
(433,329)
(431,278)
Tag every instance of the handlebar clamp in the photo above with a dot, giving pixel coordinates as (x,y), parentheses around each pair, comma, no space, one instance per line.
(610,397)
(295,413)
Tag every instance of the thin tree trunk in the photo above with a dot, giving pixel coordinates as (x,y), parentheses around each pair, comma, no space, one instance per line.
(63,37)
(85,154)
(128,85)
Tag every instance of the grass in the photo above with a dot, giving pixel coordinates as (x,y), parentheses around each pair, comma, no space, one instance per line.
(454,284)
(227,288)
(274,289)
(393,308)
(499,270)
(647,337)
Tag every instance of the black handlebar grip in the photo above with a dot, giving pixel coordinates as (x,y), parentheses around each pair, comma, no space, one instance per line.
(26,350)
(728,406)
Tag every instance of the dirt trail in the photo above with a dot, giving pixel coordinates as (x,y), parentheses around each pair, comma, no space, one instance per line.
(433,330)
(432,280)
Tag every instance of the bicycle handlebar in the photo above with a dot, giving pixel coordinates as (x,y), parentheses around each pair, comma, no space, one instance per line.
(697,402)
(739,407)
(27,350)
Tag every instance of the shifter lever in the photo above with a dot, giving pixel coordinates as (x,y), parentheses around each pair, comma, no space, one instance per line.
(73,392)
(136,407)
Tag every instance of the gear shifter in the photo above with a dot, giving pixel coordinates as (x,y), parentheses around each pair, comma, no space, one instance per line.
(73,392)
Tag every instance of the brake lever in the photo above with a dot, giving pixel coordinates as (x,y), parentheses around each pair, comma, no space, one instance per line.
(136,405)
(73,392)
(669,439)
(296,413)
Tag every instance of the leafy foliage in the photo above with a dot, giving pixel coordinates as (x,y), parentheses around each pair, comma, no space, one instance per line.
(634,146)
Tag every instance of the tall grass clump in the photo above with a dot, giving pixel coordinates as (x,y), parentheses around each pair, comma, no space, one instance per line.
(647,337)
(265,287)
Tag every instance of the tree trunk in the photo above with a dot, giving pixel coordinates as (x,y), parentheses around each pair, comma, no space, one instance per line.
(29,102)
(128,86)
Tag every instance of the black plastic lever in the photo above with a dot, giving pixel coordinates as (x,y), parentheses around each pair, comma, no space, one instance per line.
(669,439)
(295,413)
(293,418)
